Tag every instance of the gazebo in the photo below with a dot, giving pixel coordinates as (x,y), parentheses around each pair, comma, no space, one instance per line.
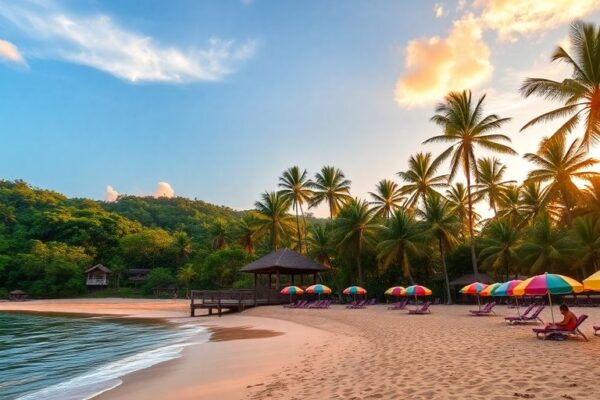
(470,278)
(284,262)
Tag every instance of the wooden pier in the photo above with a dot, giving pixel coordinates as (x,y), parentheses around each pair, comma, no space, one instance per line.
(234,300)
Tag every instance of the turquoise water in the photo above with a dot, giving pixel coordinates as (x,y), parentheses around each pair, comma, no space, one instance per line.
(67,358)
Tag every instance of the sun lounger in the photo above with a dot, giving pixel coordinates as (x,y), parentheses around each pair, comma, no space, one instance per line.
(487,310)
(401,305)
(596,330)
(523,319)
(360,304)
(548,333)
(423,310)
(372,302)
(293,305)
(525,313)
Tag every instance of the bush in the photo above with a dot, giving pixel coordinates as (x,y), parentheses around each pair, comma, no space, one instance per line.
(158,278)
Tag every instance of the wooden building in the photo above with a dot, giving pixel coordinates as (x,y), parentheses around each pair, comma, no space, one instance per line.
(97,277)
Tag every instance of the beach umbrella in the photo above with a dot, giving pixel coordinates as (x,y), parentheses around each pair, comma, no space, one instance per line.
(592,282)
(506,289)
(318,289)
(291,290)
(395,291)
(354,290)
(417,290)
(490,290)
(474,288)
(546,285)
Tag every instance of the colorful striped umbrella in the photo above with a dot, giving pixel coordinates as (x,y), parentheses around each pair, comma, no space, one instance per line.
(592,282)
(417,290)
(548,284)
(318,289)
(354,290)
(396,291)
(291,290)
(506,289)
(474,288)
(489,290)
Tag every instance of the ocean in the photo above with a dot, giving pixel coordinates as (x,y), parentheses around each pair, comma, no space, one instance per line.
(74,358)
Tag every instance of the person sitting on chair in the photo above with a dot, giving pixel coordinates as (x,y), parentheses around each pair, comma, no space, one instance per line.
(569,321)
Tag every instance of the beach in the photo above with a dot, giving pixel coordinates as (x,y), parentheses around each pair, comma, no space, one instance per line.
(272,352)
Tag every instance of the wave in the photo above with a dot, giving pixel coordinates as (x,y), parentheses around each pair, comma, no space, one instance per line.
(107,376)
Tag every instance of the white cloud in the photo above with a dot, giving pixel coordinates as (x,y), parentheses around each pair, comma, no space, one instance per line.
(511,19)
(435,66)
(438,10)
(110,194)
(163,189)
(9,51)
(99,42)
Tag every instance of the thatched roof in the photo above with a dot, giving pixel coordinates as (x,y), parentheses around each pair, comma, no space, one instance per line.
(470,278)
(285,261)
(100,267)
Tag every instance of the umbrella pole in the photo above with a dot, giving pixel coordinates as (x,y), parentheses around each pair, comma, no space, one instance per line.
(416,303)
(517,301)
(551,310)
(478,302)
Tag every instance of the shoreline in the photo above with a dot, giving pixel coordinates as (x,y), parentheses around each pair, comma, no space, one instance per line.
(238,358)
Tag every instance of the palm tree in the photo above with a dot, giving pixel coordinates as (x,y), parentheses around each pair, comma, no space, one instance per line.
(534,201)
(558,165)
(466,127)
(400,240)
(457,196)
(543,249)
(320,246)
(386,198)
(509,205)
(501,243)
(330,185)
(490,172)
(248,230)
(185,275)
(355,230)
(183,246)
(421,178)
(442,224)
(580,93)
(275,221)
(586,237)
(296,187)
(590,203)
(219,232)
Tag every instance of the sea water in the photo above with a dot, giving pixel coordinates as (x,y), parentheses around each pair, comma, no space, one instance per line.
(74,358)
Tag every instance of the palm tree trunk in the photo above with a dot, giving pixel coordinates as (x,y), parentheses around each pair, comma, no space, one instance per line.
(471,235)
(443,256)
(359,264)
(298,229)
(303,223)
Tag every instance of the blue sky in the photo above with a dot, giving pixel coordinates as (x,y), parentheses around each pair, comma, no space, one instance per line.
(216,98)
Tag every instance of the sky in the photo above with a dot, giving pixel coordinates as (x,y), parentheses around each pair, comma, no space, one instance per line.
(214,99)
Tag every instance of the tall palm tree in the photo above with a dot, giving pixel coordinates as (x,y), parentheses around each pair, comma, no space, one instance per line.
(580,93)
(501,243)
(543,248)
(490,183)
(355,230)
(330,185)
(386,198)
(590,203)
(442,224)
(185,275)
(275,221)
(466,128)
(421,179)
(219,232)
(400,240)
(509,205)
(457,196)
(295,185)
(558,164)
(586,239)
(183,246)
(320,244)
(534,201)
(248,231)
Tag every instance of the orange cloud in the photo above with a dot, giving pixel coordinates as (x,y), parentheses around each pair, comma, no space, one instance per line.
(511,18)
(164,189)
(435,66)
(9,51)
(111,194)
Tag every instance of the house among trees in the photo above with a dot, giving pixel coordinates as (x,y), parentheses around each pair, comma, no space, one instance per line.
(137,275)
(97,277)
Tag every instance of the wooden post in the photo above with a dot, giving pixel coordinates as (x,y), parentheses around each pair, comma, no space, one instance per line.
(293,276)
(277,281)
(219,303)
(255,287)
(192,309)
(301,279)
(314,279)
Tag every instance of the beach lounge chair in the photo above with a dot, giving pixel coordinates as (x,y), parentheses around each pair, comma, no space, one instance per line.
(487,310)
(548,333)
(523,319)
(423,310)
(401,305)
(372,302)
(525,313)
(295,304)
(360,304)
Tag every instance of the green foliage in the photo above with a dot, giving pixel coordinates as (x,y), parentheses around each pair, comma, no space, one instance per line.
(159,278)
(221,269)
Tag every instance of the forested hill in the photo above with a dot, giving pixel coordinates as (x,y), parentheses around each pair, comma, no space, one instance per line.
(47,239)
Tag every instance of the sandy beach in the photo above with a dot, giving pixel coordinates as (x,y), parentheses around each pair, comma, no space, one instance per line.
(271,352)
